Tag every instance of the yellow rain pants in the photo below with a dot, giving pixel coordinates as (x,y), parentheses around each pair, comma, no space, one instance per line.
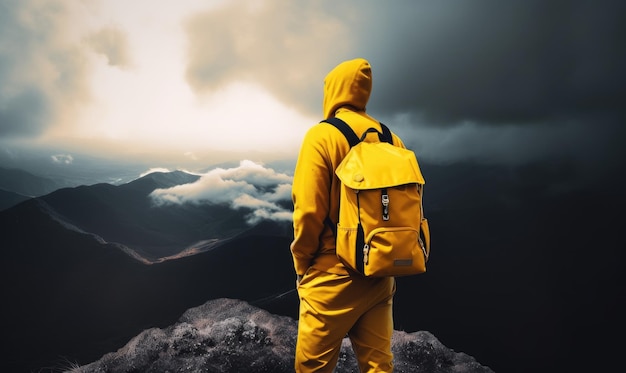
(335,305)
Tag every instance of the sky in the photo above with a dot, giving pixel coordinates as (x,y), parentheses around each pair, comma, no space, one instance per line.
(194,82)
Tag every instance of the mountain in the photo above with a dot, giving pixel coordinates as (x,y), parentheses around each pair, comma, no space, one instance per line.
(18,185)
(227,335)
(69,168)
(25,183)
(10,199)
(68,295)
(526,270)
(126,215)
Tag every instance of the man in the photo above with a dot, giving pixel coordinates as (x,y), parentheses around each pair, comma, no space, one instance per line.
(335,302)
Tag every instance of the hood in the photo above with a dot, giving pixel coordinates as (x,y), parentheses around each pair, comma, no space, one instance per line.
(349,83)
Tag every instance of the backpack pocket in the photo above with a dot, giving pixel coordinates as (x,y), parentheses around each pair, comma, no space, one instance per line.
(395,251)
(346,247)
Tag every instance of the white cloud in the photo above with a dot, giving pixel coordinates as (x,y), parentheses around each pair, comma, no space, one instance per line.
(249,186)
(62,158)
(154,169)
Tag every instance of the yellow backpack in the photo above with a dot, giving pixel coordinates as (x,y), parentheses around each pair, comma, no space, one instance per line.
(381,230)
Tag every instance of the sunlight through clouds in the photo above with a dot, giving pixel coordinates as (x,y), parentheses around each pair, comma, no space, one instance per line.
(136,62)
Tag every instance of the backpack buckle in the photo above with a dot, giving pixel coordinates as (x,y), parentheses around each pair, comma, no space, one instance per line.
(385,202)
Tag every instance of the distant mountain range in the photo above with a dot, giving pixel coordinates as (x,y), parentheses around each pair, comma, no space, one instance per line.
(126,216)
(525,273)
(10,199)
(18,185)
(25,183)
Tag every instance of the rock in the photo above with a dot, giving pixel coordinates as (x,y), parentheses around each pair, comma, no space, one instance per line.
(227,335)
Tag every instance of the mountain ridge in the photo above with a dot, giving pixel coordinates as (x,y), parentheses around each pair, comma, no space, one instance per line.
(126,215)
(25,183)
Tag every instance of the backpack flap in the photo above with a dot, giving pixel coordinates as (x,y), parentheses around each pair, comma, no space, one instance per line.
(378,165)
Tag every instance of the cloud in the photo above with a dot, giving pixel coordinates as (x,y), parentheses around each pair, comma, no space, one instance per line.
(249,186)
(285,47)
(505,67)
(485,61)
(154,169)
(62,158)
(502,81)
(77,72)
(495,62)
(42,73)
(112,43)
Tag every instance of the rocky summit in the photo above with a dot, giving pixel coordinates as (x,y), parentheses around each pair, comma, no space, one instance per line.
(227,335)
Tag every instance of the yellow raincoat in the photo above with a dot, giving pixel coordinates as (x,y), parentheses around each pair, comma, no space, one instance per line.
(333,301)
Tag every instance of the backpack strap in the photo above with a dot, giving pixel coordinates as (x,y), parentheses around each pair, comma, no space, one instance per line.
(386,136)
(347,131)
(353,139)
(351,136)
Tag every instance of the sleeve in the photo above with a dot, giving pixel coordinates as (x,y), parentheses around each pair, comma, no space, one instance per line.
(310,195)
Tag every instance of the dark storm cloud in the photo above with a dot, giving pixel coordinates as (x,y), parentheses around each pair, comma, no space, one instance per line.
(502,81)
(496,62)
(24,113)
(493,61)
(21,106)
